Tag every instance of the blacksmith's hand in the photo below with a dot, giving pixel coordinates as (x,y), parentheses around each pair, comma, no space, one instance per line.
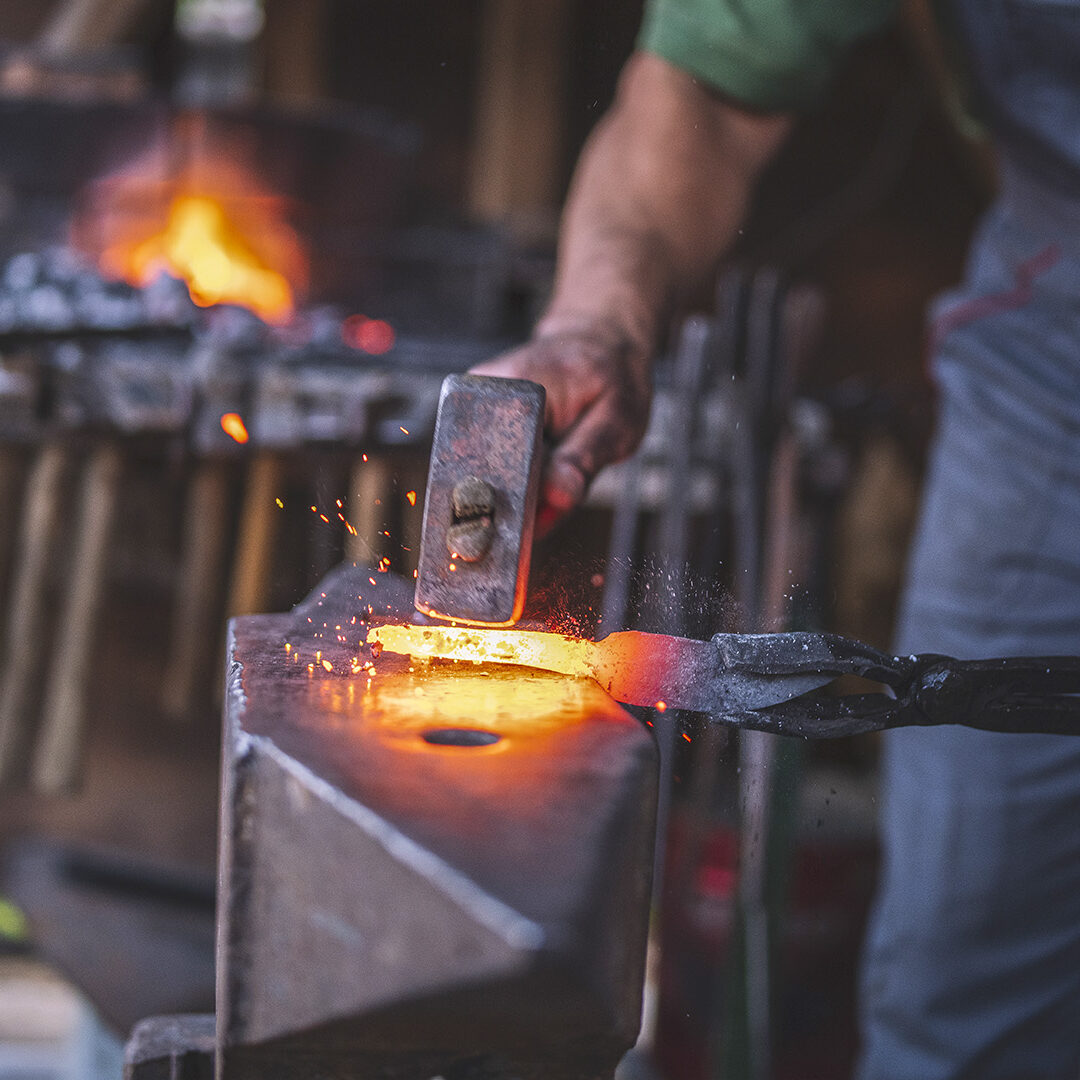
(599,390)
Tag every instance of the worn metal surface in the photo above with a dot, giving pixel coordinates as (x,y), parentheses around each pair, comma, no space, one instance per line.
(171,1048)
(403,900)
(488,434)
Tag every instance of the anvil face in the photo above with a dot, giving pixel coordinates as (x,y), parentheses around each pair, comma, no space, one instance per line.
(424,866)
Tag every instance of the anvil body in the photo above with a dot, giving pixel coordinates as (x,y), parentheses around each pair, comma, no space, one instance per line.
(394,905)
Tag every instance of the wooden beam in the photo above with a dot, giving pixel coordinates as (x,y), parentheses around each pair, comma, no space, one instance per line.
(519,143)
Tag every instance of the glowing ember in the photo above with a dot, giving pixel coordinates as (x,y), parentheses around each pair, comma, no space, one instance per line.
(373,336)
(199,244)
(233,426)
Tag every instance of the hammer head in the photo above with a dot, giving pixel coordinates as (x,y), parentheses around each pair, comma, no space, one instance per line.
(480,508)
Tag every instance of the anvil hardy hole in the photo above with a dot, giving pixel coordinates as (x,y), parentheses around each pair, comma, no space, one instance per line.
(455,736)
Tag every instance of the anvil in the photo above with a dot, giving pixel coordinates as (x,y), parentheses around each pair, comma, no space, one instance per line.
(422,873)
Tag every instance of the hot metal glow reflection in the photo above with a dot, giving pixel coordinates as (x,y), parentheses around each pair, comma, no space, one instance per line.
(629,665)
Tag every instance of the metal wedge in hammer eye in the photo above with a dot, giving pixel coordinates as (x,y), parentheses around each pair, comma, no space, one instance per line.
(470,536)
(480,509)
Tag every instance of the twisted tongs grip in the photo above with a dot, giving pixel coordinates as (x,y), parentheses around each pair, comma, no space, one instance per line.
(1012,694)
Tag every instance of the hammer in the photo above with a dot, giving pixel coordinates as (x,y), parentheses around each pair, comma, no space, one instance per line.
(482,492)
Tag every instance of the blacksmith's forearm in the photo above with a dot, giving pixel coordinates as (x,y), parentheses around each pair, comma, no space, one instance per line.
(658,196)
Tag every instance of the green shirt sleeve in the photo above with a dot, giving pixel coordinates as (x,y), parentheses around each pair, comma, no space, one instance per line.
(770,54)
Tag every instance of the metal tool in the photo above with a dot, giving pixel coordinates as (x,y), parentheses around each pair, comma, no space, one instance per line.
(481,500)
(763,682)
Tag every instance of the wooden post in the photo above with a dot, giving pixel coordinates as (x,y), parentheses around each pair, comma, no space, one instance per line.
(518,150)
(413,478)
(249,590)
(369,509)
(11,472)
(37,550)
(59,747)
(197,615)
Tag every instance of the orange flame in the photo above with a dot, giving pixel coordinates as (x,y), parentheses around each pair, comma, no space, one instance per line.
(199,244)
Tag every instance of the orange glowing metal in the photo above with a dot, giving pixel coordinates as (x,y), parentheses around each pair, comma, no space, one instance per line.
(233,426)
(638,668)
(621,659)
(199,244)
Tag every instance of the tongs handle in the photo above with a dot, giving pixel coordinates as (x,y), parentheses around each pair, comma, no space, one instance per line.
(801,652)
(1014,694)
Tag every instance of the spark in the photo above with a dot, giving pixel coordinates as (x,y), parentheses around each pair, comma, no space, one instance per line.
(233,426)
(411,496)
(340,504)
(281,505)
(685,736)
(288,647)
(453,566)
(325,518)
(373,582)
(363,457)
(660,706)
(404,429)
(327,665)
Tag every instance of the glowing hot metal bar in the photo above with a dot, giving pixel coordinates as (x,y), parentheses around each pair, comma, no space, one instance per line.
(635,667)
